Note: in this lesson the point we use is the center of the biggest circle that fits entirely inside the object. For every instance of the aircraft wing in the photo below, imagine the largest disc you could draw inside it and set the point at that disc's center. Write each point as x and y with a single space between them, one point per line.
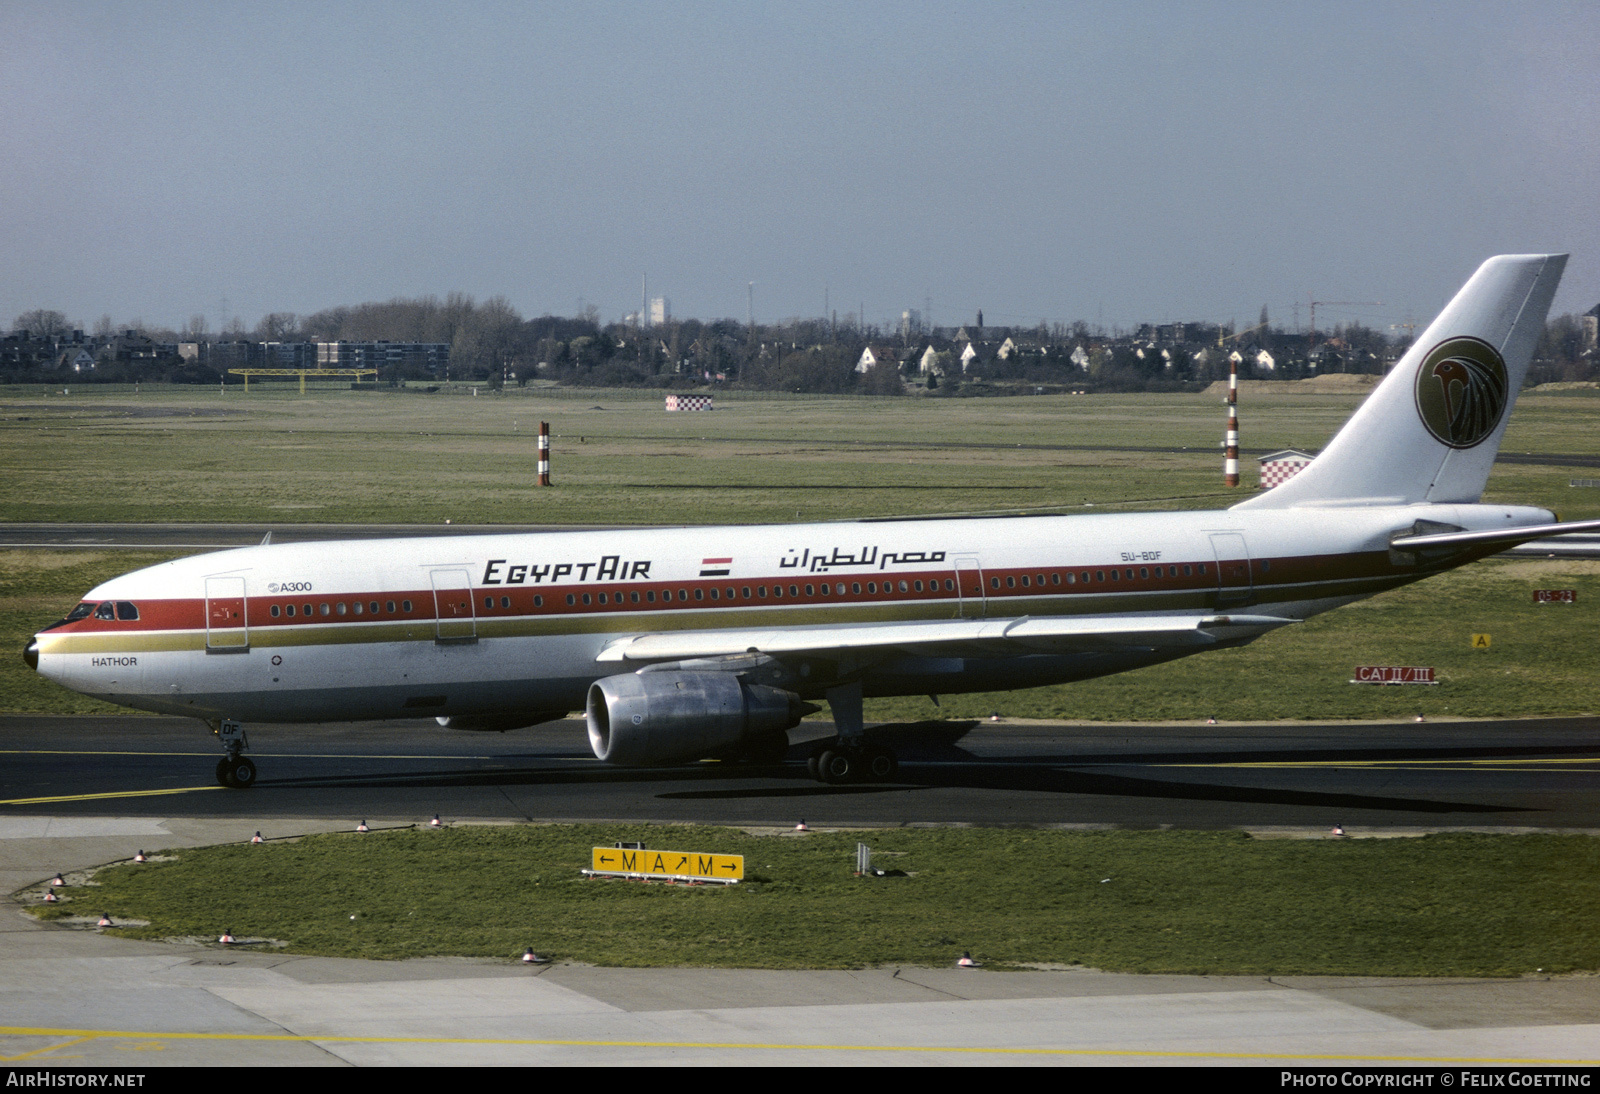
972 637
1507 536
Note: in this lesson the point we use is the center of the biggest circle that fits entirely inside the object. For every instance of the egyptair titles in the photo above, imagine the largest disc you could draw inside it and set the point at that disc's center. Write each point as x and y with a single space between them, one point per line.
500 571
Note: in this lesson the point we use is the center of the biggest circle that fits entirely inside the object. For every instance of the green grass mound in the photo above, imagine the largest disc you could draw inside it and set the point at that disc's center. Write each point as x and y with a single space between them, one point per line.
1170 902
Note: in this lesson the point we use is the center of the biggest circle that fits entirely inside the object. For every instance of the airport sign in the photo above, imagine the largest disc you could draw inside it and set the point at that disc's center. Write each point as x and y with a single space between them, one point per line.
637 862
1393 674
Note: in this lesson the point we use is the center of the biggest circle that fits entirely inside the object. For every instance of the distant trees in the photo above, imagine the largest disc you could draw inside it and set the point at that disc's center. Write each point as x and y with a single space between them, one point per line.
491 341
821 369
1559 355
278 326
43 323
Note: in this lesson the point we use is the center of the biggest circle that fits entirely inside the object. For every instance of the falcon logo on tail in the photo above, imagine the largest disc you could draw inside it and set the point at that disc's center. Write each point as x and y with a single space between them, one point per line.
1461 391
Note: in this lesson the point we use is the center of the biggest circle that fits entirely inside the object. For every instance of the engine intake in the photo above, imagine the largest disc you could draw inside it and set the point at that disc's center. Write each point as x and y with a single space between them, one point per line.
674 717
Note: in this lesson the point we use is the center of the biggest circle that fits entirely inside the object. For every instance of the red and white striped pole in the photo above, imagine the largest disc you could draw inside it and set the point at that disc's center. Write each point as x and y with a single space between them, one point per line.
1230 461
544 453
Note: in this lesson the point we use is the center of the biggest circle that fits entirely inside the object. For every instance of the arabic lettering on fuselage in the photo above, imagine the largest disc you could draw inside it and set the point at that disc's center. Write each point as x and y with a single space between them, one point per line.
869 557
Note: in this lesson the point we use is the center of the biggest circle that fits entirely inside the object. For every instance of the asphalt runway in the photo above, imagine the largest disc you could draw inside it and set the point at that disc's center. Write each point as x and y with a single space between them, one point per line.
1406 776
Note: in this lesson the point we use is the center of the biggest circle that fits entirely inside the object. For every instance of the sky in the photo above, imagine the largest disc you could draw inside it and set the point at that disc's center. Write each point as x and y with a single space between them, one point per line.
1115 162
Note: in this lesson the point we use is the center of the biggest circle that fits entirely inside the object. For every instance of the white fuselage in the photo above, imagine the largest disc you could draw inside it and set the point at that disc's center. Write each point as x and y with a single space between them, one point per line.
505 625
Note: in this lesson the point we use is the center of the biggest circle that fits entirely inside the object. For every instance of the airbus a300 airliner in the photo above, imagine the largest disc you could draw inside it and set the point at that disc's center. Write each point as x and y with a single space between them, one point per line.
681 644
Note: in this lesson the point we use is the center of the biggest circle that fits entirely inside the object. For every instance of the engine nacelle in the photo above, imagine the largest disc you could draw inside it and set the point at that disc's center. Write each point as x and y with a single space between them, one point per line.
674 717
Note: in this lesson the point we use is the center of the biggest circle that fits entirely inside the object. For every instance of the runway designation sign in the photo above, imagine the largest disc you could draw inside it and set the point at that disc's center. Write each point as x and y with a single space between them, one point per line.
666 865
1555 596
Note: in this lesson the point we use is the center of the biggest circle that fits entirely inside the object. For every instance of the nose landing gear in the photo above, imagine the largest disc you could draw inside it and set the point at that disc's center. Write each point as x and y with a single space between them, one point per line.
234 770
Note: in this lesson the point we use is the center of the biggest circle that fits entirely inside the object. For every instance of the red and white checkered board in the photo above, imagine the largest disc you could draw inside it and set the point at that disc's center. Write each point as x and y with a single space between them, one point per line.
1278 472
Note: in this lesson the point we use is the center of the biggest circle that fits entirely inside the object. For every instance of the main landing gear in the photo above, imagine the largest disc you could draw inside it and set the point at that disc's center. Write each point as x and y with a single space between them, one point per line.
850 757
233 770
839 761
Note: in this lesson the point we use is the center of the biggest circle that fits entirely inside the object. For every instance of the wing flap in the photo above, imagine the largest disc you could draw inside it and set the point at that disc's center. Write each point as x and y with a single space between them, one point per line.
993 637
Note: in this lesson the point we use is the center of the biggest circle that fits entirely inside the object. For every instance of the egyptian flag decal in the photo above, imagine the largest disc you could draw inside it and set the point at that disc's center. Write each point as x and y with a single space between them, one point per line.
714 567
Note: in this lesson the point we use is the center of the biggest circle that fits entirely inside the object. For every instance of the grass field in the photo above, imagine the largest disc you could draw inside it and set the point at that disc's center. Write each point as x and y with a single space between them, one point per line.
1452 905
196 454
1175 902
381 455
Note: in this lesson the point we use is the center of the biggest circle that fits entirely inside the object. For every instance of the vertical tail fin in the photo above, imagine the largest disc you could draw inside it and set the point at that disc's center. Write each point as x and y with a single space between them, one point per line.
1431 429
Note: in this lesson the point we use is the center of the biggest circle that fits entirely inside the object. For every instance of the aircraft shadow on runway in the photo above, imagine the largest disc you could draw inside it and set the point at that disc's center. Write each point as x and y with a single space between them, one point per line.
941 765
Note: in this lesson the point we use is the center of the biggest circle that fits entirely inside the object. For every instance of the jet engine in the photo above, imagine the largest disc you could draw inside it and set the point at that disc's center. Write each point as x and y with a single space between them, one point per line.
674 717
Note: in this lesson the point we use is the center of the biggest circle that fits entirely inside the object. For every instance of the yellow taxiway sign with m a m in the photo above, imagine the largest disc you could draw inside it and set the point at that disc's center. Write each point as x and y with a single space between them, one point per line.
667 865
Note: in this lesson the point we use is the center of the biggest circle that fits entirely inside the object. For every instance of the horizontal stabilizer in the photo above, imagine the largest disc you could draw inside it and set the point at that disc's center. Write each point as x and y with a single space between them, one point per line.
976 637
1509 537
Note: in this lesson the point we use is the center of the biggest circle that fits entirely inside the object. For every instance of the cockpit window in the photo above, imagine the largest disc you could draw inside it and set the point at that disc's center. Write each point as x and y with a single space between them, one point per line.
105 611
82 611
125 610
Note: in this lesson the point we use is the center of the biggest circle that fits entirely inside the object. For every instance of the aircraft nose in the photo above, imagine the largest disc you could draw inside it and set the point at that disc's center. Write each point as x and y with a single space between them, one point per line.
30 654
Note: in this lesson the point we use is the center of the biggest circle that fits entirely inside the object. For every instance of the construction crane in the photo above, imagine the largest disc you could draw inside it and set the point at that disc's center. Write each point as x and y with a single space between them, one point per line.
1230 337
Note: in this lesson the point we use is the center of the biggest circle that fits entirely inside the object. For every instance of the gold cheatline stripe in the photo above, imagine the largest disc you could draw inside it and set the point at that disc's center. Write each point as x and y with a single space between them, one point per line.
304 1038
707 617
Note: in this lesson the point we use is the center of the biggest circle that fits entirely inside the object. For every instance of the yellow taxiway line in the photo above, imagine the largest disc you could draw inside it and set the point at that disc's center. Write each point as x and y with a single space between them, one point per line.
79 1036
263 755
110 794
1521 764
